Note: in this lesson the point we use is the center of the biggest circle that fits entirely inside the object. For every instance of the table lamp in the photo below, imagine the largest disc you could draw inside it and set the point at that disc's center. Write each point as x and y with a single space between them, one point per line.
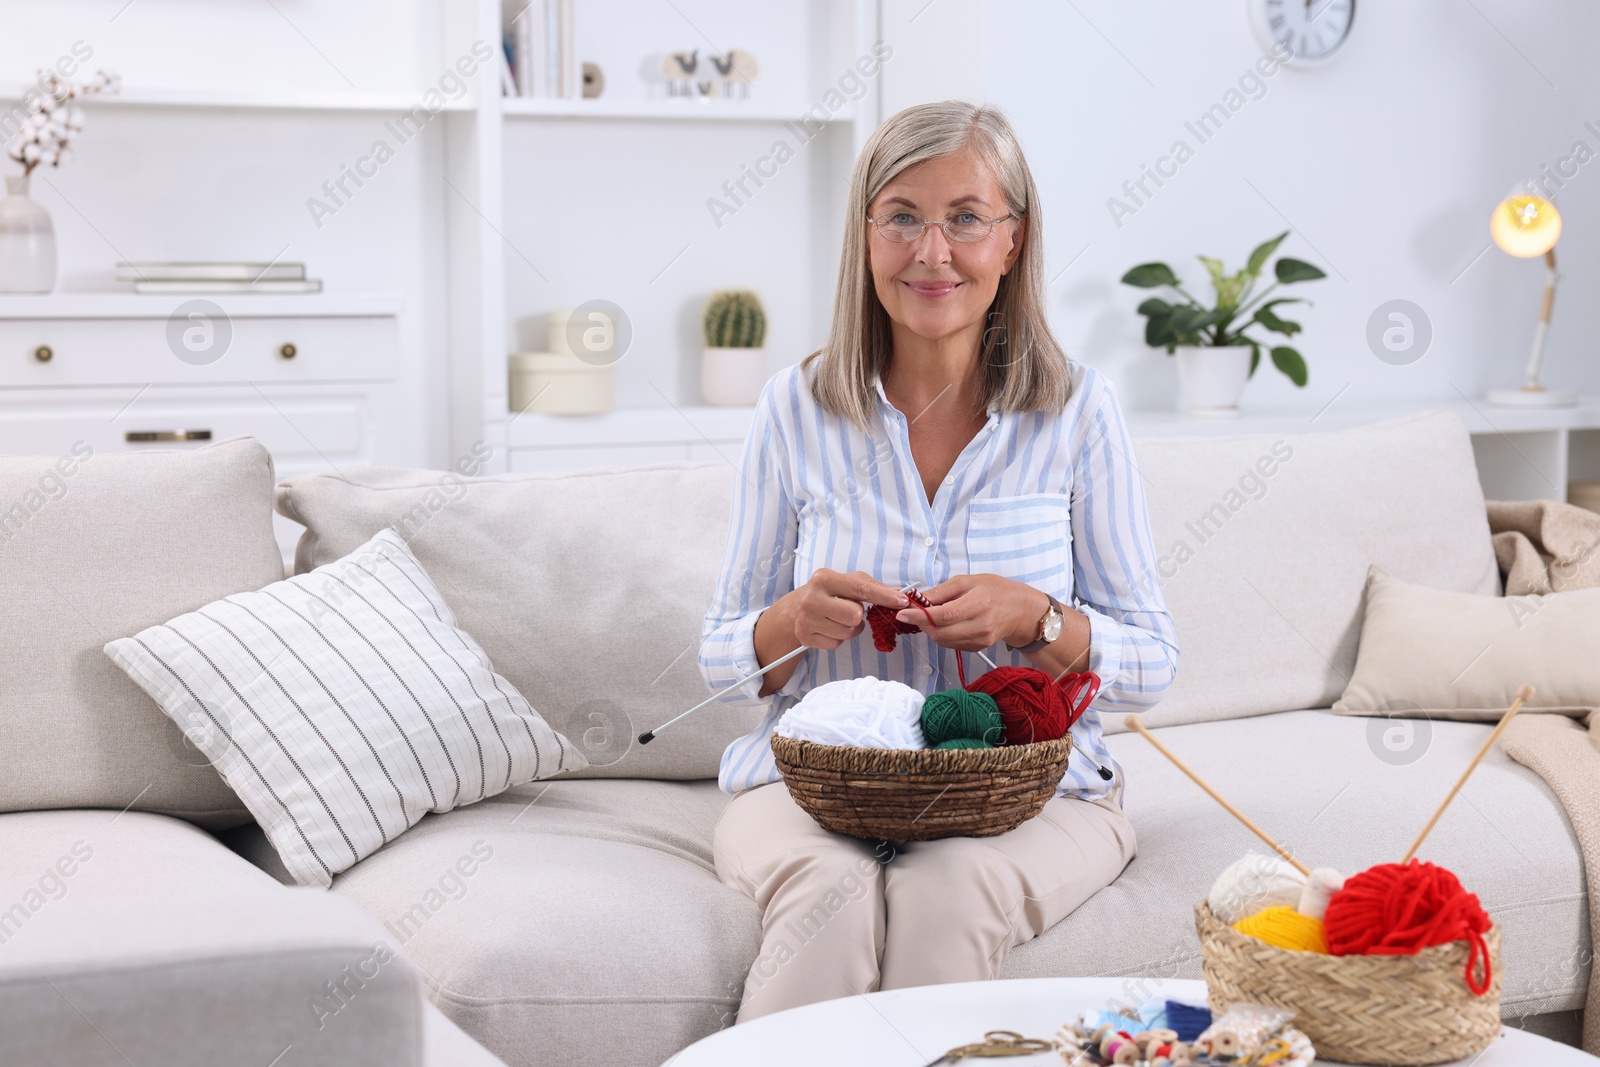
1527 226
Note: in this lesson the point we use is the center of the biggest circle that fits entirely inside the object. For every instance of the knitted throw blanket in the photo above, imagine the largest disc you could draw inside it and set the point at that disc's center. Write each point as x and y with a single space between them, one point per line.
1545 547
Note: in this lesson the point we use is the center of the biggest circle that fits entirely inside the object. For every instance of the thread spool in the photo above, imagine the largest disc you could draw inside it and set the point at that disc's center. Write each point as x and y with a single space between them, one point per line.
1118 1048
1252 883
1224 1043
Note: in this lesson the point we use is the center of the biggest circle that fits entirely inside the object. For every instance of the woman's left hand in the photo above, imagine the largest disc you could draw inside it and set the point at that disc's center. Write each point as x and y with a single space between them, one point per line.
972 612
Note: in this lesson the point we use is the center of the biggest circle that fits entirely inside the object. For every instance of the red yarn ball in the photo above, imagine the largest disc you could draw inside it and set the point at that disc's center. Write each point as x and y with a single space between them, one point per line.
1399 910
1032 706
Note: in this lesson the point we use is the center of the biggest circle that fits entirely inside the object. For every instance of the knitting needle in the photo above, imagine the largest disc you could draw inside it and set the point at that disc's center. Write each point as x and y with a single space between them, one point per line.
992 664
650 735
1525 693
1133 723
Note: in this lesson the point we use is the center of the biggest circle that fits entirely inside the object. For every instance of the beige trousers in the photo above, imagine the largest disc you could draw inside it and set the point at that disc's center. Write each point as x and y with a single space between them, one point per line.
842 916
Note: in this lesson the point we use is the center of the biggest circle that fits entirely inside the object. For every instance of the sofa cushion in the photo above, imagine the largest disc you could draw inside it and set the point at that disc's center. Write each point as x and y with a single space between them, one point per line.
570 921
1334 793
342 705
95 547
138 938
587 590
1461 656
1263 543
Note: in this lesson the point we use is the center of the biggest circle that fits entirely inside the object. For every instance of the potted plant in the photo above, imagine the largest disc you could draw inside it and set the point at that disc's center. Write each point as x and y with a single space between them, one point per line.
1216 352
27 237
733 366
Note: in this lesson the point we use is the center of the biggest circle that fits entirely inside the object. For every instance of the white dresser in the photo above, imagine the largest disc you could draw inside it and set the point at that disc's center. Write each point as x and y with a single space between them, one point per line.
122 371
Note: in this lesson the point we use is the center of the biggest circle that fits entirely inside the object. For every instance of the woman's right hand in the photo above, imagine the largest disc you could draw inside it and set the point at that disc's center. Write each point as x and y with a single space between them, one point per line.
827 609
824 613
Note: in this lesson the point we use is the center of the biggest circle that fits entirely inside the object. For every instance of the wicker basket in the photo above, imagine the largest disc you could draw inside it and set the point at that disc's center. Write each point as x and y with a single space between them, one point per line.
1359 1009
893 794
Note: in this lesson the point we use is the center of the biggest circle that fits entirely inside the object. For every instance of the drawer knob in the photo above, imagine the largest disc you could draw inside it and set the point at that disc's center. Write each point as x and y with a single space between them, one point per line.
288 351
43 354
145 437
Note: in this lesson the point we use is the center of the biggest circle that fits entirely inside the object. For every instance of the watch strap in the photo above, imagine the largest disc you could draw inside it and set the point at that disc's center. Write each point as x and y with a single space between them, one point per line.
1040 641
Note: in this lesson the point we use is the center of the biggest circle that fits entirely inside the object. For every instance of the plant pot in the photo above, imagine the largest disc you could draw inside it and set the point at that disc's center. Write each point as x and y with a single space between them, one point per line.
1211 380
27 242
732 377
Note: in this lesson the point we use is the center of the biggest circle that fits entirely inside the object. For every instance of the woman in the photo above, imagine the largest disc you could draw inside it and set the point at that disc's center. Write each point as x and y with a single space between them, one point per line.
940 438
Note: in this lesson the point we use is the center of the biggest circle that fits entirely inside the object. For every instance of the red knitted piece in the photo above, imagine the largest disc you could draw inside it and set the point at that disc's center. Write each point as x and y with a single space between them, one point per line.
885 627
1395 910
1034 708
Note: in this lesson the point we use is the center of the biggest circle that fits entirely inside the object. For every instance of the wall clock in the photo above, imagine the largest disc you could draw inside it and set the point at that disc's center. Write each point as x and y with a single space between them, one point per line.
1311 31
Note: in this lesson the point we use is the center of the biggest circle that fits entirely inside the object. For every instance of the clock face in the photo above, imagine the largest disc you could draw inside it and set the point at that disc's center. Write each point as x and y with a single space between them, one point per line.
1311 31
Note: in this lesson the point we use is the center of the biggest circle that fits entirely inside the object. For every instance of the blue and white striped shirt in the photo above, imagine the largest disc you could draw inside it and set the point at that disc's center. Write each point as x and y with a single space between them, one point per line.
1054 501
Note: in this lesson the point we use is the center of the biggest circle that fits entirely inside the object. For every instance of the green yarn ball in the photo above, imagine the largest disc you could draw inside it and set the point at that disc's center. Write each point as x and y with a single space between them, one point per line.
961 714
963 742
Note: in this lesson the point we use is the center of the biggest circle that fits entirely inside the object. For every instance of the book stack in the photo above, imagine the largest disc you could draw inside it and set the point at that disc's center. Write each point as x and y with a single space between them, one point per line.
218 278
540 49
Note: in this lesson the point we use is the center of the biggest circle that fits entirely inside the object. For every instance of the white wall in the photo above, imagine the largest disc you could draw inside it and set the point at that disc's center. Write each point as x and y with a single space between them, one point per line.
1386 164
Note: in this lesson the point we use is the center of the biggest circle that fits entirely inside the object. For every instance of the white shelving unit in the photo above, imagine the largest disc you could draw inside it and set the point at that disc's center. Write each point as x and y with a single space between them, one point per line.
1521 454
485 170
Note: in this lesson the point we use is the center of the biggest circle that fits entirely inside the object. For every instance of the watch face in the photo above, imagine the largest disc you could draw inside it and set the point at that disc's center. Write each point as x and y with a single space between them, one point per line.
1052 625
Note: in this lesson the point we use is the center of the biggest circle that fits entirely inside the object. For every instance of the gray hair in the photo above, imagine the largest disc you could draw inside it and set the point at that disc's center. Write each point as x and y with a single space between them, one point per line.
1023 367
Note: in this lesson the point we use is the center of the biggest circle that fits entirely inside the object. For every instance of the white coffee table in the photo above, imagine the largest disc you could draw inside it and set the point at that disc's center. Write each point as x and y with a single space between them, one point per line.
911 1027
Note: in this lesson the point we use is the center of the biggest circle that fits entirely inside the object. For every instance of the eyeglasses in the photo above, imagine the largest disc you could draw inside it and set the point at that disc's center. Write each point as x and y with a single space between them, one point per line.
964 227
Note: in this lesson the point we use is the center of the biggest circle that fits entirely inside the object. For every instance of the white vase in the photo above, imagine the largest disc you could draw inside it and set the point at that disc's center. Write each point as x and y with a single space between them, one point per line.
732 377
27 242
1211 380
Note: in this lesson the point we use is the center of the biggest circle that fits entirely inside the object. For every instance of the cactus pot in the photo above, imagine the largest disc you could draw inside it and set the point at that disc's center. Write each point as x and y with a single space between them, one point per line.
732 377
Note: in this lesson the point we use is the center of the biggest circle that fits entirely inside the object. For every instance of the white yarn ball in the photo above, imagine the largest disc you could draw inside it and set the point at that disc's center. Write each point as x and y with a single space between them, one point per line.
864 712
1252 883
1320 888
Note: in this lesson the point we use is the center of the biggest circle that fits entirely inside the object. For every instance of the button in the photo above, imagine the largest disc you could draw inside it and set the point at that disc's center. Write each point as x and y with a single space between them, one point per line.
951 480
928 541
927 670
994 426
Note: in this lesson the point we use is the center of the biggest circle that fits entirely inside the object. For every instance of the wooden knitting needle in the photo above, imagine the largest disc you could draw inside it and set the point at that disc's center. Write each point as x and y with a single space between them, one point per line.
1525 693
1138 727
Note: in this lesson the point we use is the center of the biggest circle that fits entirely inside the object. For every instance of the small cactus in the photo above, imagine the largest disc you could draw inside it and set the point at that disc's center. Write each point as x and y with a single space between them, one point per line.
735 319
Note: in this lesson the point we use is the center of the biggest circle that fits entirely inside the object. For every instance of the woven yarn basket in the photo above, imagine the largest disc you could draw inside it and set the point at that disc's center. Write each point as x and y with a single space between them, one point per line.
893 794
1359 1009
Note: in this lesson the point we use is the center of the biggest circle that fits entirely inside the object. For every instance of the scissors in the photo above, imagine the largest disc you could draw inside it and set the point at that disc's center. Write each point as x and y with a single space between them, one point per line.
996 1043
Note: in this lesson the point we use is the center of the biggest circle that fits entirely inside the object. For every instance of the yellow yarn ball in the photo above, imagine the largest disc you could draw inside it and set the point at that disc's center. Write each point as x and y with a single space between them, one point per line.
1285 928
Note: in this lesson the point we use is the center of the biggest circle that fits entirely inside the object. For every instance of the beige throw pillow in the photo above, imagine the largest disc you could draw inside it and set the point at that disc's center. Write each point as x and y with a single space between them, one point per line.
1452 655
95 546
587 590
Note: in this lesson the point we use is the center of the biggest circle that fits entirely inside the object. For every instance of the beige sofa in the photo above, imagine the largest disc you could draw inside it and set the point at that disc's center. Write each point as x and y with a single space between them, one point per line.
598 932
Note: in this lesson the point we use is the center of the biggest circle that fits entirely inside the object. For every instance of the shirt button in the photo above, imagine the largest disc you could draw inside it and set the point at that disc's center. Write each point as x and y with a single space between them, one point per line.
928 541
951 480
927 670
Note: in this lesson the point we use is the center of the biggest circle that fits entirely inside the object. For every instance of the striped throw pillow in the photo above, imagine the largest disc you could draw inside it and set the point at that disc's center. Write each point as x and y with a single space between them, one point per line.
342 705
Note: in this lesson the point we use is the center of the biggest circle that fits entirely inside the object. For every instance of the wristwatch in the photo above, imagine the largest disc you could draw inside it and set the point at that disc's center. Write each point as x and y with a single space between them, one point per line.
1049 628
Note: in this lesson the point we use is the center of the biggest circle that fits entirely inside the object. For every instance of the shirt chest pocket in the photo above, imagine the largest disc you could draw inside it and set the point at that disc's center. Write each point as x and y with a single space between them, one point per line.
1025 538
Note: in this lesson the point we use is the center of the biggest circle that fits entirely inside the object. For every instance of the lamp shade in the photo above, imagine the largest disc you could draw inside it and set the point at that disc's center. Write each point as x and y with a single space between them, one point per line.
1525 226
